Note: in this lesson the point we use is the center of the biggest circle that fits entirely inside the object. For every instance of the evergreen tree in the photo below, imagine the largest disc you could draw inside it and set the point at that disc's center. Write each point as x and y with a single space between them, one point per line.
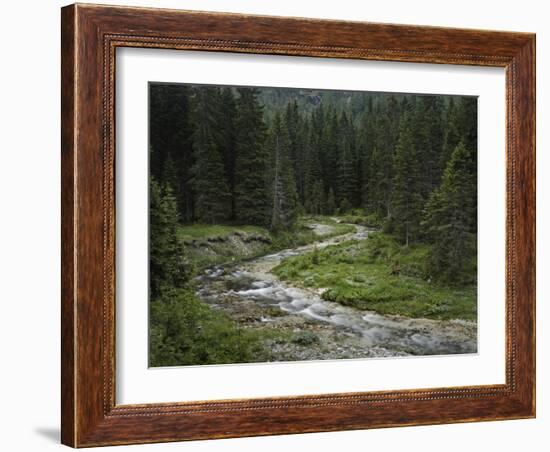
328 149
296 142
252 204
228 140
449 220
428 134
331 203
348 186
285 205
313 176
170 135
365 151
407 189
169 174
212 197
381 171
167 265
315 201
467 122
451 134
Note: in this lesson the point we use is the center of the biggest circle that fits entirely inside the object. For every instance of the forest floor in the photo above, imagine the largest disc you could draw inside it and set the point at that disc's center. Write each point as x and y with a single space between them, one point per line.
347 292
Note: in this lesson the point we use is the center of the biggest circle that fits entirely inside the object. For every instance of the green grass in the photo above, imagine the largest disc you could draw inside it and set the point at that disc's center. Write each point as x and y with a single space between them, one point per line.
203 231
371 220
380 275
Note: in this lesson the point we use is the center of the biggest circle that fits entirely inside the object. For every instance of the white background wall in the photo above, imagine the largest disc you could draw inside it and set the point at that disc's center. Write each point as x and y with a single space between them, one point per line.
29 225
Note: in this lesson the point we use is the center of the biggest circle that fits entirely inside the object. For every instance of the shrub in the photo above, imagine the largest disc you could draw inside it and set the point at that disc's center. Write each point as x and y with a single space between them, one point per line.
185 331
305 338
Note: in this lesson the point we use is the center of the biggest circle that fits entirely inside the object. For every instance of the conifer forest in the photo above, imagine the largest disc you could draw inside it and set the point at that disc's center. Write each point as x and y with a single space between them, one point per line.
290 224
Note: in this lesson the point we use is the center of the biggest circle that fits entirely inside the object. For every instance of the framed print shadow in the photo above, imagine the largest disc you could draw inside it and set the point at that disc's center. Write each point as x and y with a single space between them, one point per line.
280 225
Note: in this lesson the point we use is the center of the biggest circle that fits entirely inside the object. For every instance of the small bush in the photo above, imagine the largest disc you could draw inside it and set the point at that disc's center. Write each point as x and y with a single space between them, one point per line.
184 331
357 217
305 338
315 256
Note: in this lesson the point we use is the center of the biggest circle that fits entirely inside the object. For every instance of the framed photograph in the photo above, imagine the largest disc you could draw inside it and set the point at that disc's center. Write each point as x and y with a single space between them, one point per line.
280 225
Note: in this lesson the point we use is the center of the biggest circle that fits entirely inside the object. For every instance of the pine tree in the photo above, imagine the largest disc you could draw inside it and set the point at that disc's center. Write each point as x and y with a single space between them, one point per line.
228 140
365 151
169 174
167 265
295 129
328 149
449 219
331 203
285 205
313 176
407 189
381 172
212 197
428 139
467 122
170 135
252 204
451 134
315 202
348 186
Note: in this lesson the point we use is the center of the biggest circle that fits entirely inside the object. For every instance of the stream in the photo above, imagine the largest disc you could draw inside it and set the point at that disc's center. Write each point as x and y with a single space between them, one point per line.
254 297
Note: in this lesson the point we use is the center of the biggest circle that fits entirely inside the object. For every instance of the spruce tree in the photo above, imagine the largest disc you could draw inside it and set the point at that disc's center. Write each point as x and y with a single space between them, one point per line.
228 140
449 219
451 134
428 139
167 265
169 174
212 197
316 202
295 129
313 176
328 149
407 187
170 135
331 203
285 203
381 171
348 186
252 204
467 121
365 151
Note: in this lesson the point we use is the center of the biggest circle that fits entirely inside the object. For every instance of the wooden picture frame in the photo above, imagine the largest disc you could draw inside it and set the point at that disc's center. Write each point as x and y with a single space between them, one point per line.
90 36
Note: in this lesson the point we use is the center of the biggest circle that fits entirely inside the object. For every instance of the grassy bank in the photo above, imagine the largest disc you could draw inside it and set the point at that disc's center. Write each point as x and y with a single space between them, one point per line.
379 274
208 245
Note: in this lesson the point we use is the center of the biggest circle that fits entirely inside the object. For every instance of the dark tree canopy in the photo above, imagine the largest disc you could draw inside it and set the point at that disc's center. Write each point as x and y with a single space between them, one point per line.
251 164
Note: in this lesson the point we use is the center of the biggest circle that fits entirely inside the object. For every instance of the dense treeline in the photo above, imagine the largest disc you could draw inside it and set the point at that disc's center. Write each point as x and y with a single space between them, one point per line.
263 156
